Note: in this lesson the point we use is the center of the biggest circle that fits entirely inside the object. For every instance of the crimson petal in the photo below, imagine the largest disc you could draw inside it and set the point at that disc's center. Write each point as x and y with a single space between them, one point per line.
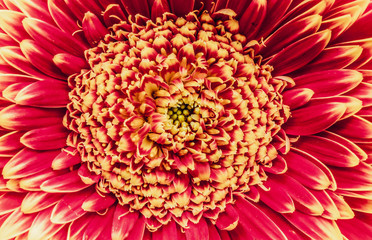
69 182
299 53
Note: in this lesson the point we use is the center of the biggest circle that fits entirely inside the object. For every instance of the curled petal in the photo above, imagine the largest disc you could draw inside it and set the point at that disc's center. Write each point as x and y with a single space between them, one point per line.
93 28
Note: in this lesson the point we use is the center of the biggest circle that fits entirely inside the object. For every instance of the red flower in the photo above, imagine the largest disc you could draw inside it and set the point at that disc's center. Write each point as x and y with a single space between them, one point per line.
228 119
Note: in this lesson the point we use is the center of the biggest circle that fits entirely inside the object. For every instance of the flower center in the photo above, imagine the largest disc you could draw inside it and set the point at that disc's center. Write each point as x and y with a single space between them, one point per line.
176 116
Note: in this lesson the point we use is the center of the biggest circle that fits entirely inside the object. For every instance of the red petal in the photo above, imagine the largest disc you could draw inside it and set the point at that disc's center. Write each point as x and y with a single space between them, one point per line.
93 28
330 209
7 40
10 144
314 227
355 229
134 7
337 25
123 222
334 58
33 182
328 151
363 93
299 53
137 233
62 16
305 172
69 208
357 178
10 201
15 58
354 128
346 143
52 38
9 79
53 137
253 223
96 202
271 192
252 18
16 224
9 22
158 8
66 159
80 7
302 197
197 231
290 33
297 97
35 202
166 232
17 117
98 226
42 227
34 9
360 205
11 91
277 9
40 58
228 219
181 7
69 64
359 30
329 83
28 162
44 94
323 115
69 182
344 209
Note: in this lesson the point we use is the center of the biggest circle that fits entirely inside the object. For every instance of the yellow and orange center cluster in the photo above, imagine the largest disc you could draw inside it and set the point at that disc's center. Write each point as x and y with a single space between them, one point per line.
176 116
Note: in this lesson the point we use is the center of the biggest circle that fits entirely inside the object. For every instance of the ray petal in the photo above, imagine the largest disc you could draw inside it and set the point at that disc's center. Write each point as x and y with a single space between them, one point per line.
67 158
69 182
35 202
52 38
328 151
15 58
298 29
96 202
62 16
123 222
331 58
41 94
305 172
323 116
17 117
41 59
314 227
354 128
254 223
181 7
69 208
28 162
299 53
10 201
34 9
9 22
197 231
16 224
53 137
42 227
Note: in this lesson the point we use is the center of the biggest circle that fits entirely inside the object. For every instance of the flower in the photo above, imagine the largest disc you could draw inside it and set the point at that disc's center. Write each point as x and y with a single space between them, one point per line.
246 119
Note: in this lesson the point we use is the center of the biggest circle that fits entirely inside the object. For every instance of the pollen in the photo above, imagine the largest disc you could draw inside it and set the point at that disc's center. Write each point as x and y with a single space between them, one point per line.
176 116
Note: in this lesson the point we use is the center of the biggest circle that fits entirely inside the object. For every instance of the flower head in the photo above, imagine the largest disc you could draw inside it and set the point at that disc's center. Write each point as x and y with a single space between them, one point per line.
185 120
